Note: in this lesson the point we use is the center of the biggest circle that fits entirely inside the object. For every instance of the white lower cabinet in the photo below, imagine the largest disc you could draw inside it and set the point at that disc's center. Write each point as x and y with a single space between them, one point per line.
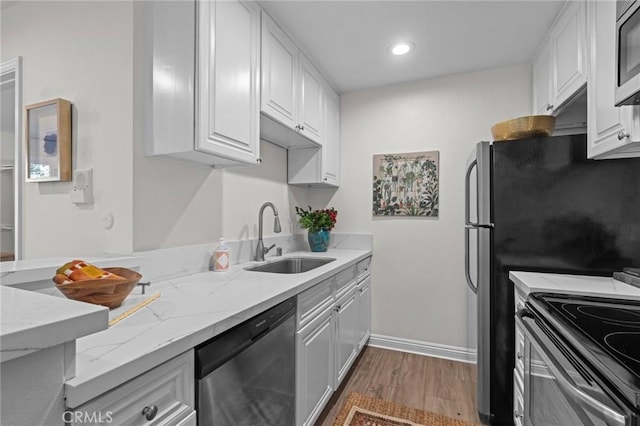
162 396
314 374
346 328
363 298
333 325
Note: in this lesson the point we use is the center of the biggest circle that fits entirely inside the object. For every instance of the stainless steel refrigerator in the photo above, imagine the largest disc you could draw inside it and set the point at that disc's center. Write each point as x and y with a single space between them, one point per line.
539 205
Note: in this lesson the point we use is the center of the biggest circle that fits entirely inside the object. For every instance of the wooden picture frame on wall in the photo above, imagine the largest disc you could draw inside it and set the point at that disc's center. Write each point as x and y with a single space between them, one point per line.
48 141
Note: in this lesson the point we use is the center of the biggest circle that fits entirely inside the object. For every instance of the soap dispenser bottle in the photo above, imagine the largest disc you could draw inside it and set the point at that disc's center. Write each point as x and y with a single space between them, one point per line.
221 257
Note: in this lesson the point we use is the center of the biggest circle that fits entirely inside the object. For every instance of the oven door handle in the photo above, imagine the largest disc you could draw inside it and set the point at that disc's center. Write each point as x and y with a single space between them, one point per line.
524 318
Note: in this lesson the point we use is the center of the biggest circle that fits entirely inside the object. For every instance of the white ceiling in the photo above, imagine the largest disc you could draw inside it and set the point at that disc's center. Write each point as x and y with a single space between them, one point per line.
349 40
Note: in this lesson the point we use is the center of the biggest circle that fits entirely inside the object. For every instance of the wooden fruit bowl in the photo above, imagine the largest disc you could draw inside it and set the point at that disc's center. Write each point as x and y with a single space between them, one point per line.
524 127
107 292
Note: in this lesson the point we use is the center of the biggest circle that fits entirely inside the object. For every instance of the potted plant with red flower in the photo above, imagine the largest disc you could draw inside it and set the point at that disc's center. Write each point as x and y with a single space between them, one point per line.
318 223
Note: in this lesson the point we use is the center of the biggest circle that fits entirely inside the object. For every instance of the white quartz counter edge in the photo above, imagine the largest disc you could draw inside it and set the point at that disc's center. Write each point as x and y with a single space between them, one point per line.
530 282
58 321
29 270
191 310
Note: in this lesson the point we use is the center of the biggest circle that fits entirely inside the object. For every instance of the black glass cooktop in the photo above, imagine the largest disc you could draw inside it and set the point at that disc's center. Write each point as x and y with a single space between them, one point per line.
605 331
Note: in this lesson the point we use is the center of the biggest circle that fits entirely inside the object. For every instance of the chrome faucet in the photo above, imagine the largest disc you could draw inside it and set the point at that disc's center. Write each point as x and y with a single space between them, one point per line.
260 249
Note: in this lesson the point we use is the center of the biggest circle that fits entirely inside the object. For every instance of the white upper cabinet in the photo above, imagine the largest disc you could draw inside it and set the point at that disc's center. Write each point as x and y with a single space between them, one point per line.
310 117
541 80
320 167
279 74
569 38
210 114
291 91
611 131
228 78
331 146
559 68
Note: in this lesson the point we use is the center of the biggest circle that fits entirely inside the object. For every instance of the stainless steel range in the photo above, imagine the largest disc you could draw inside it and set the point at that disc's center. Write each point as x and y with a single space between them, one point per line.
582 360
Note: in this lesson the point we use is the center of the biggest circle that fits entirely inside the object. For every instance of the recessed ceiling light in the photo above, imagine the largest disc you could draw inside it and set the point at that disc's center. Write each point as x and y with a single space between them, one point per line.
402 48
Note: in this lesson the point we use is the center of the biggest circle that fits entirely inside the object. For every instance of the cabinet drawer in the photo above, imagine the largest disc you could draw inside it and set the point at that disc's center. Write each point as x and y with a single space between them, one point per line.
167 390
362 267
343 279
313 301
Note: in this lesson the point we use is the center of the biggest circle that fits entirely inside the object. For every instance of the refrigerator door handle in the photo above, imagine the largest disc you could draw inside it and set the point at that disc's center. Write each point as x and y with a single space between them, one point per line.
467 192
467 272
467 197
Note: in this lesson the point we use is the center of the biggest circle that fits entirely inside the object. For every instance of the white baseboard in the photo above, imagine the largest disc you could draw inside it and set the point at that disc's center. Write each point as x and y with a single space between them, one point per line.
436 350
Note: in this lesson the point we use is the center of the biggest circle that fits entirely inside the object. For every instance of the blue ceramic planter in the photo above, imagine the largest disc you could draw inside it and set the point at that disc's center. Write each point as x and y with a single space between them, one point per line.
319 241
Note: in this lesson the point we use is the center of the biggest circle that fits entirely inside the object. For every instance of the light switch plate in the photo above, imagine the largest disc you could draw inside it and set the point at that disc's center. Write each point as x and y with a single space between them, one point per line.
82 192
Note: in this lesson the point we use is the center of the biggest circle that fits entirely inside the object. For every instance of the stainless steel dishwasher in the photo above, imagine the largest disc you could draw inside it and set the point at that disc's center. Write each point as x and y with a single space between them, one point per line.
246 376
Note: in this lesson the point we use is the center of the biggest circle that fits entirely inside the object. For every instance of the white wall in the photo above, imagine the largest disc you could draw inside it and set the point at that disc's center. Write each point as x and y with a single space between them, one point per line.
419 289
82 52
246 189
182 203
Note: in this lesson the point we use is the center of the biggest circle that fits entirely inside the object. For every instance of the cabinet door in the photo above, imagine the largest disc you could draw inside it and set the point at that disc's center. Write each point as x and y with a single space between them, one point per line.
331 139
541 80
314 367
346 325
606 122
279 74
364 312
569 51
229 60
311 93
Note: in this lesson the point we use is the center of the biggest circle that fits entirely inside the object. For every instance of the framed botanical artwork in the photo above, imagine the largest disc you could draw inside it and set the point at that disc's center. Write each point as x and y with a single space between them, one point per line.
406 184
48 141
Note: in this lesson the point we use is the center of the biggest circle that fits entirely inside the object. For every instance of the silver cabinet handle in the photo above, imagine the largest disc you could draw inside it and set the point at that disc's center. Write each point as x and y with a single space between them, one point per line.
149 413
519 355
622 135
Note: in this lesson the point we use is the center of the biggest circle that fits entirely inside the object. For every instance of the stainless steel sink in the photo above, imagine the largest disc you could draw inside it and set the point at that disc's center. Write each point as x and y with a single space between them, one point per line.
292 265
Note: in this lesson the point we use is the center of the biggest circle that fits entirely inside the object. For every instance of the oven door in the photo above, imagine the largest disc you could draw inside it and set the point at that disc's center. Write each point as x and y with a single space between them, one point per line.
558 387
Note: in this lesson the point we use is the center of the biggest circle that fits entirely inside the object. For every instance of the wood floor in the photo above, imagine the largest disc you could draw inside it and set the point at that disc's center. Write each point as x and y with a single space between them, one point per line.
432 384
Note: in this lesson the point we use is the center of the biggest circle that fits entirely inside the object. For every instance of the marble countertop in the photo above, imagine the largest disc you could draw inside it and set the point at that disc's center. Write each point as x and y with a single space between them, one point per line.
531 282
190 310
58 321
